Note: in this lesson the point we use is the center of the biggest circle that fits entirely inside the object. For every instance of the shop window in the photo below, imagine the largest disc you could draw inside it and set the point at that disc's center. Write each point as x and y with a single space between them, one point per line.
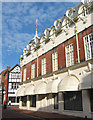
24 100
33 101
17 99
73 100
55 101
12 99
91 99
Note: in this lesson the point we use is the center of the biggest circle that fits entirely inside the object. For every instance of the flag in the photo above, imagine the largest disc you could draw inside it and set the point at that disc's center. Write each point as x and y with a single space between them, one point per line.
36 22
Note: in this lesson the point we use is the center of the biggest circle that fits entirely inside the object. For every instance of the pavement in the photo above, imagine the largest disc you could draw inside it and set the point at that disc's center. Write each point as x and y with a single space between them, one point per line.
13 112
0 106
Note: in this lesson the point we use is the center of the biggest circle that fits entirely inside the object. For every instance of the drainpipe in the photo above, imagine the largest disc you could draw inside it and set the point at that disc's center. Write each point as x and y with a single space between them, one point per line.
77 44
37 64
76 38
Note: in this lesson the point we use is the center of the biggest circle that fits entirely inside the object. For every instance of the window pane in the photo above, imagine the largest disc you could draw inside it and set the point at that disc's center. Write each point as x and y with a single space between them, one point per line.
55 101
91 99
43 66
88 40
24 100
55 61
69 55
33 101
33 71
12 99
24 74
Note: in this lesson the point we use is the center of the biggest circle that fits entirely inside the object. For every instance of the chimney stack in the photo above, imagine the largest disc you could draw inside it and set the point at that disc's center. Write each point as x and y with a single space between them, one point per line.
8 67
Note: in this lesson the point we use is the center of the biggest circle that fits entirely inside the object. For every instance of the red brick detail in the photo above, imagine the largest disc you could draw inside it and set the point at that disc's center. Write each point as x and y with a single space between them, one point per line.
6 85
61 54
81 41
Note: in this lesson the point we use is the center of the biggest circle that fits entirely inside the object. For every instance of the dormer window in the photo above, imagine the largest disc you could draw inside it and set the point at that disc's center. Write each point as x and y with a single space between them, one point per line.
52 30
42 41
83 11
28 47
65 23
47 33
36 39
24 51
57 24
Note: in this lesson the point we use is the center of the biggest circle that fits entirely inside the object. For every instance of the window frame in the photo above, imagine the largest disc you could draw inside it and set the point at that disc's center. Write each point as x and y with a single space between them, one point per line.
54 61
24 75
32 102
88 43
33 71
73 99
24 100
55 96
69 52
43 66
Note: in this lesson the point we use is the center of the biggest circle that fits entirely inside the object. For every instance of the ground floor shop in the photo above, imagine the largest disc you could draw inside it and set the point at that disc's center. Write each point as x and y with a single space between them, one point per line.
77 103
68 92
13 100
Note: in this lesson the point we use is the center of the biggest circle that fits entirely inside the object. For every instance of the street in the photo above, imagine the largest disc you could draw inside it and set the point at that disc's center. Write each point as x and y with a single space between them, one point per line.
13 113
16 114
0 106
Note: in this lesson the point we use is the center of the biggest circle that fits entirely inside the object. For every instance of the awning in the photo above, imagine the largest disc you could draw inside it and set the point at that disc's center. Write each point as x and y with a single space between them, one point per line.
86 81
52 86
69 83
29 89
41 88
20 91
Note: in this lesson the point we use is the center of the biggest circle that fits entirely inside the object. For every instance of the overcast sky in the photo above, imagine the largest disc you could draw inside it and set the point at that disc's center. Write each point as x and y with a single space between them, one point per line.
19 22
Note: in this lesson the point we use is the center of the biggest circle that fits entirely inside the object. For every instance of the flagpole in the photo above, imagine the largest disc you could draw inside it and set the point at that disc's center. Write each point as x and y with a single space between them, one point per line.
37 51
36 27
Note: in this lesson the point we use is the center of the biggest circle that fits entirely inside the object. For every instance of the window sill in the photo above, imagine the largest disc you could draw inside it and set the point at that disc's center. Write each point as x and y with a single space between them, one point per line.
73 111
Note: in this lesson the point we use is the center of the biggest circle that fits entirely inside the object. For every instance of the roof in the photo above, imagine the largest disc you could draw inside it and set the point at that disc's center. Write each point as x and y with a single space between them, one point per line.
14 67
63 17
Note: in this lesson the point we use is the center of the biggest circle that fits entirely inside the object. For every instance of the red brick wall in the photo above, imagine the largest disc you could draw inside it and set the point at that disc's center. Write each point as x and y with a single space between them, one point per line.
28 71
71 41
81 41
61 54
6 85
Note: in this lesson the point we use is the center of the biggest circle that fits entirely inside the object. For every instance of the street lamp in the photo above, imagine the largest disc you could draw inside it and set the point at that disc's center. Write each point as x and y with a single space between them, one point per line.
67 15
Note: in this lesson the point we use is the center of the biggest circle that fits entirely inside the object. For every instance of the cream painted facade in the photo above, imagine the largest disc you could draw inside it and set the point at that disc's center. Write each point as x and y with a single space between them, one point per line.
52 87
43 91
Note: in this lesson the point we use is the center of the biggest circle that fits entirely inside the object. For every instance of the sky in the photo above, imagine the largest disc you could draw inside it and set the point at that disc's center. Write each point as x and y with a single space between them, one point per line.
19 25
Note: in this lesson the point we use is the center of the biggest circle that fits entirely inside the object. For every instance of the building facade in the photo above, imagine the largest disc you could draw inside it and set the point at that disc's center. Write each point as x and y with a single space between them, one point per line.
0 89
13 85
57 67
10 79
4 84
